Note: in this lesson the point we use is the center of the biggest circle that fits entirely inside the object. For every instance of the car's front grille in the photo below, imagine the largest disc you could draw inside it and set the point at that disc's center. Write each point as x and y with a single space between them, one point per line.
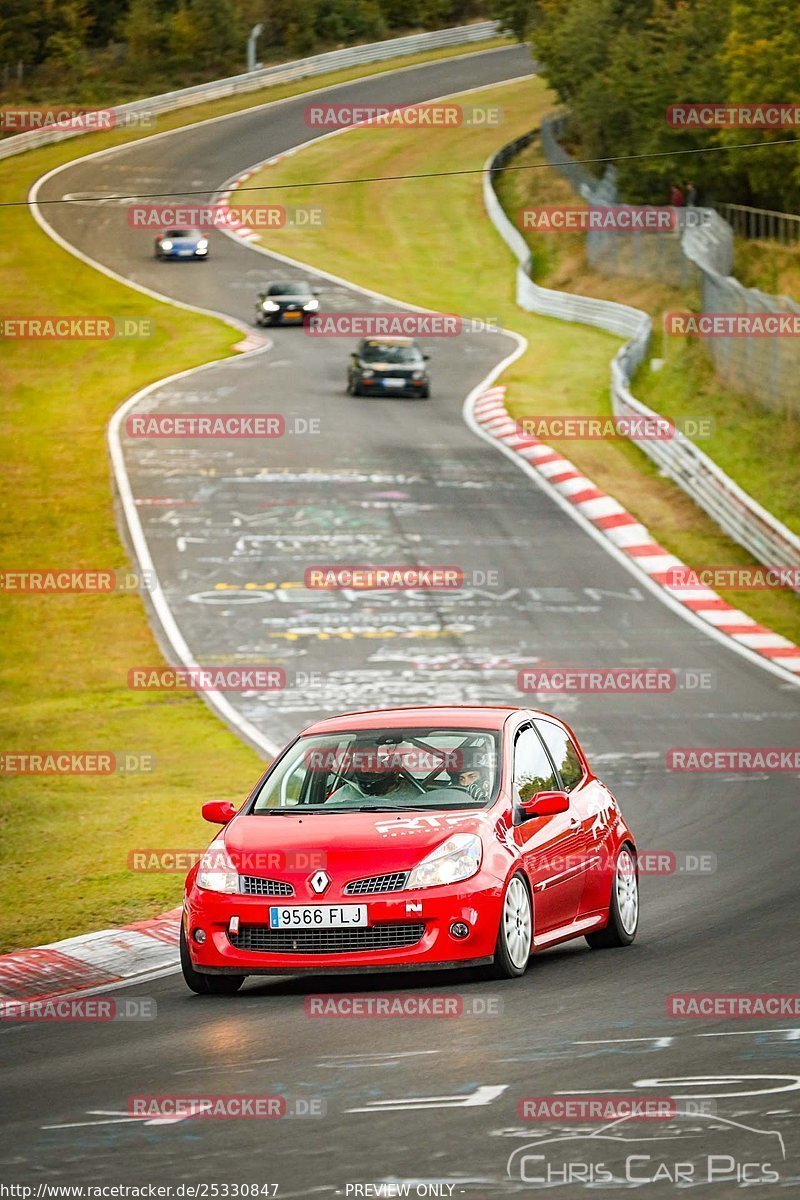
326 941
377 883
254 885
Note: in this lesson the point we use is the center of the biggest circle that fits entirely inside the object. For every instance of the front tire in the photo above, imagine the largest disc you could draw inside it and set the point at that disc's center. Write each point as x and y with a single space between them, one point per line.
623 919
515 935
206 985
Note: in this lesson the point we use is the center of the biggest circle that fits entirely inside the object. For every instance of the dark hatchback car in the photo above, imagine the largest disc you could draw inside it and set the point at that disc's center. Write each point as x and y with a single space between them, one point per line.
286 303
388 367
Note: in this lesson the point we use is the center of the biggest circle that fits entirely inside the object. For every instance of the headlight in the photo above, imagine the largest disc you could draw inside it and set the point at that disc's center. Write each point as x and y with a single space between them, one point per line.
202 243
269 306
216 872
456 859
417 374
312 306
166 245
366 372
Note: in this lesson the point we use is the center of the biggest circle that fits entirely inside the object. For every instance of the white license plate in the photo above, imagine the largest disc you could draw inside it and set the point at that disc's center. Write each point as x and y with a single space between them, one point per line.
320 916
394 382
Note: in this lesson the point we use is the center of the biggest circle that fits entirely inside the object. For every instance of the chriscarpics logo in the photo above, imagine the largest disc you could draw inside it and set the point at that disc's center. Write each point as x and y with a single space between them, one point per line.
682 1149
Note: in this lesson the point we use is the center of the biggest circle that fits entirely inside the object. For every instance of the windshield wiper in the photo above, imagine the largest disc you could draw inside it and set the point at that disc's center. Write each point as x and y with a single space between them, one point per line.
400 808
293 810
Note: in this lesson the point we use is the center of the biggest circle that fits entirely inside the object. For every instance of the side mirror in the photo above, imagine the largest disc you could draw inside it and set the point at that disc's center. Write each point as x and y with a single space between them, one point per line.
545 804
316 291
426 356
218 812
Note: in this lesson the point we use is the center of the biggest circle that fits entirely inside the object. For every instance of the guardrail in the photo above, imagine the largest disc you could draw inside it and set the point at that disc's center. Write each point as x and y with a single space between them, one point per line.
252 81
737 513
748 222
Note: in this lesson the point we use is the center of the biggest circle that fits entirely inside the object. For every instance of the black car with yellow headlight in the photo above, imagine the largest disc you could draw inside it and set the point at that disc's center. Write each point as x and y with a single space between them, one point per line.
388 367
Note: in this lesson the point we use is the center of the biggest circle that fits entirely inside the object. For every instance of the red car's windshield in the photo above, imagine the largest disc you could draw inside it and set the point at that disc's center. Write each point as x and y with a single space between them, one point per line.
392 769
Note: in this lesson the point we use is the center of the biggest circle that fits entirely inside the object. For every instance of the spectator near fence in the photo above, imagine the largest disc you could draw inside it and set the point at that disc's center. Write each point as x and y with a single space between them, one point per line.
676 197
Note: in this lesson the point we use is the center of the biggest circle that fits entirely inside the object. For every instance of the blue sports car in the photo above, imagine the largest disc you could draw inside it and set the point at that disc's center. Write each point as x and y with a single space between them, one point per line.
182 243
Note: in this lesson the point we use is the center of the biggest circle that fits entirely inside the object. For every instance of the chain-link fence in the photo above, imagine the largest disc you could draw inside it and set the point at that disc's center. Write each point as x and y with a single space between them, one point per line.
698 252
737 513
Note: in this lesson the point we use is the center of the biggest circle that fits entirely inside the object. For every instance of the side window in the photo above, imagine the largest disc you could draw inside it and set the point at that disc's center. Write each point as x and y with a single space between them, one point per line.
533 771
563 754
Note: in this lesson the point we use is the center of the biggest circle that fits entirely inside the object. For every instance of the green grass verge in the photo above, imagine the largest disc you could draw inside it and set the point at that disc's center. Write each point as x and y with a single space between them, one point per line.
64 841
768 265
452 260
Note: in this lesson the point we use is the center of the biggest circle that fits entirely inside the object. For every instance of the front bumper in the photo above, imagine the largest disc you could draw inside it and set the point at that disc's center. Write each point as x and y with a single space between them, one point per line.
186 254
477 903
378 387
285 317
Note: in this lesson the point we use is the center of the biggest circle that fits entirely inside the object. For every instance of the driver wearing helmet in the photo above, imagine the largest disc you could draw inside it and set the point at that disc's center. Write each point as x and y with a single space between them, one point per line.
377 777
469 773
475 782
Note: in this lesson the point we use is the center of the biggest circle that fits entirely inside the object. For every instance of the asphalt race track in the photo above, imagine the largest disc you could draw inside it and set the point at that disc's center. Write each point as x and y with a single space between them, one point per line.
429 1101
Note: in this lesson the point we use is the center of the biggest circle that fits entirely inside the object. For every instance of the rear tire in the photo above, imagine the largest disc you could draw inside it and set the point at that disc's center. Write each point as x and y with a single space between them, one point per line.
206 985
623 919
515 935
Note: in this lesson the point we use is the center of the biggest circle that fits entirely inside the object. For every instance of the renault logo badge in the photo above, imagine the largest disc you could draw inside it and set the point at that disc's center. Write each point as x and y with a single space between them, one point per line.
319 882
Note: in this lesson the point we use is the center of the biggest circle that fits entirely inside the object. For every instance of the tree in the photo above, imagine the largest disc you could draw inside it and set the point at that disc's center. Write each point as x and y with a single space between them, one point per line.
762 59
145 32
66 44
515 16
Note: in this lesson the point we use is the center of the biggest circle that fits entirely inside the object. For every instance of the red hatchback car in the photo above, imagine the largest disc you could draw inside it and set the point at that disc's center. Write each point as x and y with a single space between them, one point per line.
411 837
